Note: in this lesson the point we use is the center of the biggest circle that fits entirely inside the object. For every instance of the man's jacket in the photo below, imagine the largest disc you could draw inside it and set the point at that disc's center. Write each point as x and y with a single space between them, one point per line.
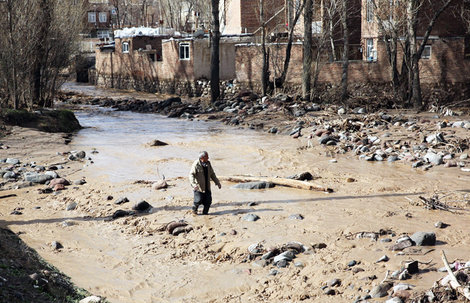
196 176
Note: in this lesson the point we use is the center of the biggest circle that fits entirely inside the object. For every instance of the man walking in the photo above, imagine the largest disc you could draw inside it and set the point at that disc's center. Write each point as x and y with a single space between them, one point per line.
199 177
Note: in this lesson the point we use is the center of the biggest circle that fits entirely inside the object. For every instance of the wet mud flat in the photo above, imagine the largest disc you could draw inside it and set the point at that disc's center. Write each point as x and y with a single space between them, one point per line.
271 244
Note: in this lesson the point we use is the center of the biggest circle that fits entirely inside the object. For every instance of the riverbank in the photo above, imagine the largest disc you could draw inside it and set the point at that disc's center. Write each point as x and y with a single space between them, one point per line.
336 241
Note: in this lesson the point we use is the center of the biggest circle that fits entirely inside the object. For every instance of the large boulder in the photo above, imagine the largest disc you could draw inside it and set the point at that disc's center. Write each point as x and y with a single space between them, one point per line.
422 238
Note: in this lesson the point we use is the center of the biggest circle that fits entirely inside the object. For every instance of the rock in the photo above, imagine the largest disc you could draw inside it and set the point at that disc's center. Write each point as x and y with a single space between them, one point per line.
36 178
386 240
287 255
181 229
296 217
412 267
159 185
58 187
254 185
404 275
273 272
9 175
352 263
142 206
80 155
273 130
79 182
319 246
91 299
334 282
463 156
305 176
51 173
380 290
341 111
440 224
71 206
435 138
281 263
325 139
251 217
260 263
12 161
299 264
56 245
433 158
58 181
384 258
120 213
157 143
329 291
394 300
392 158
424 238
121 200
401 286
401 245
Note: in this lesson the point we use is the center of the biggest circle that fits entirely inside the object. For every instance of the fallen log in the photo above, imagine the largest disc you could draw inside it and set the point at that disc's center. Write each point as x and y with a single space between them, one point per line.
278 181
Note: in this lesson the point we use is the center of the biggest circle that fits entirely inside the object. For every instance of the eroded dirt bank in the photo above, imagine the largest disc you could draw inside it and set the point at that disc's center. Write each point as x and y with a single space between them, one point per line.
134 259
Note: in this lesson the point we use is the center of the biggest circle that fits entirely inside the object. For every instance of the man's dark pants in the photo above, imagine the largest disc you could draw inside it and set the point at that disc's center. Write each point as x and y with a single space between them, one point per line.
204 199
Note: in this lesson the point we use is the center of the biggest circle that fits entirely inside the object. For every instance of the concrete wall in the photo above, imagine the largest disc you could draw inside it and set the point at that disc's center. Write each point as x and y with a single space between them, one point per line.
232 17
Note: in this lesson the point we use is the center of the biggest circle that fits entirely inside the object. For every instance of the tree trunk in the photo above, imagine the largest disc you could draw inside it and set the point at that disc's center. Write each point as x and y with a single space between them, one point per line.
285 69
265 66
307 51
415 93
215 85
344 76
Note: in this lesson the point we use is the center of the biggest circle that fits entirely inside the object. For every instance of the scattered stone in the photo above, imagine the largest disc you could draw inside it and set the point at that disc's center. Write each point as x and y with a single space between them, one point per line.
58 181
120 213
296 217
273 272
36 178
350 180
254 185
394 300
58 187
433 158
329 291
440 224
255 248
352 263
159 185
80 155
412 267
251 217
251 204
384 258
142 206
404 275
319 245
260 263
287 255
12 161
56 245
79 182
71 206
424 238
157 143
334 282
380 290
9 175
305 176
121 200
281 263
385 240
299 264
91 299
401 245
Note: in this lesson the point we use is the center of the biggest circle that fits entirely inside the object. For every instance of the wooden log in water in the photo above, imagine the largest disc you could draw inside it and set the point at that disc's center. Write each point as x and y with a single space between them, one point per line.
278 181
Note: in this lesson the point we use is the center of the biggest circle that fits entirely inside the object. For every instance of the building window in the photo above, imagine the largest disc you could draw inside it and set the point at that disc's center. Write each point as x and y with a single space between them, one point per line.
103 34
371 53
92 17
125 47
184 51
426 52
370 11
103 17
152 57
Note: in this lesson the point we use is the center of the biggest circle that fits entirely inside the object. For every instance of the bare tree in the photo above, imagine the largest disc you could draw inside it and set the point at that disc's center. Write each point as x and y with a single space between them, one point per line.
344 76
307 50
38 41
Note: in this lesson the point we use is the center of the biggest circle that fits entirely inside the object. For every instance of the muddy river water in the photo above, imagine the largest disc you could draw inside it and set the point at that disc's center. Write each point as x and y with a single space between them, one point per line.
130 260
